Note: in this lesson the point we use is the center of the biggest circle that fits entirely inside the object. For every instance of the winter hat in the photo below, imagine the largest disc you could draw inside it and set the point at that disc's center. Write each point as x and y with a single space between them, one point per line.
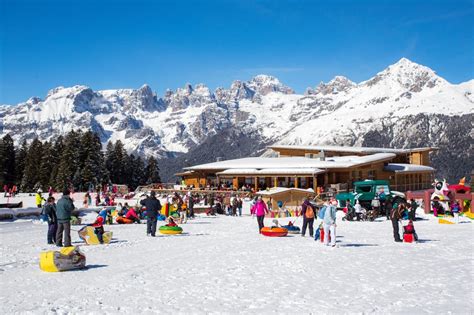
66 192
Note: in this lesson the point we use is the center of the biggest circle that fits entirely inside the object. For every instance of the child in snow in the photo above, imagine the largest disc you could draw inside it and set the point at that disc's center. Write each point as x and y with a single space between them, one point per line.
456 208
171 222
410 229
98 226
132 215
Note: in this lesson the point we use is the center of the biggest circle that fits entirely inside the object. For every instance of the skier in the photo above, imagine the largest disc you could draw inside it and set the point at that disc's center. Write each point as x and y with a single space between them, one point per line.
153 208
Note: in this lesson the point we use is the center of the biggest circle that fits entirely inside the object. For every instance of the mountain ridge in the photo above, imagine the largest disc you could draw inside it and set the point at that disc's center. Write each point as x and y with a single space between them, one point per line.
263 109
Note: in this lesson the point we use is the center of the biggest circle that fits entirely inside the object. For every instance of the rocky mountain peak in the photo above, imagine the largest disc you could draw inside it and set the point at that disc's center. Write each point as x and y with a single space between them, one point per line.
335 86
264 84
409 75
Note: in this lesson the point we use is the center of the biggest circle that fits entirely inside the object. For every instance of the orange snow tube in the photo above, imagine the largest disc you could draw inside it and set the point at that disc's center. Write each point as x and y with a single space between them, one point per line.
274 231
123 220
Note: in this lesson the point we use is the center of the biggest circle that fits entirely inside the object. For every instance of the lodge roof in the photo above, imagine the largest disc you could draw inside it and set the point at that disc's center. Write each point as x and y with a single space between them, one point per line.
285 163
347 149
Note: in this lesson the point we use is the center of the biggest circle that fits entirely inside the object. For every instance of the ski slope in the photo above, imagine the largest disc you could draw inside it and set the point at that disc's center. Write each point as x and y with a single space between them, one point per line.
222 265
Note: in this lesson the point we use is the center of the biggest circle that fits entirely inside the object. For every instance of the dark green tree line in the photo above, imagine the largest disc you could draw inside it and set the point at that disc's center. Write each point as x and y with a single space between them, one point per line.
75 160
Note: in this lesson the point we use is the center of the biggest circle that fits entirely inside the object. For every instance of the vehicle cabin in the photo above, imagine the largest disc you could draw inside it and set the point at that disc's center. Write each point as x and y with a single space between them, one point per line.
319 168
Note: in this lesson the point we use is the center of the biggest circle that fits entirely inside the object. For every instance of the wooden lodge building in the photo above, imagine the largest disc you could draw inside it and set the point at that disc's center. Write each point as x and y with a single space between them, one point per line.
318 166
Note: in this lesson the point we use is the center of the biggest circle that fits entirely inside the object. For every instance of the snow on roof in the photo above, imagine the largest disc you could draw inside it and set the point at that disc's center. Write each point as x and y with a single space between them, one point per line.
335 148
294 162
405 168
271 171
278 190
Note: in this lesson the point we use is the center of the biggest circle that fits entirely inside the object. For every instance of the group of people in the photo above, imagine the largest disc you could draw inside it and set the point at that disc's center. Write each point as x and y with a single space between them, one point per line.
58 216
9 191
327 214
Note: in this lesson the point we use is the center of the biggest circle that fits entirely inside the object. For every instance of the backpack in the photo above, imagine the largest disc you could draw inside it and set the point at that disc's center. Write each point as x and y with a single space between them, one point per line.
309 213
322 212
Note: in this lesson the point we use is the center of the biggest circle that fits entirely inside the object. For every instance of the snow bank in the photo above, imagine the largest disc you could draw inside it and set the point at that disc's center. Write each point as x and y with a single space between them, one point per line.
222 265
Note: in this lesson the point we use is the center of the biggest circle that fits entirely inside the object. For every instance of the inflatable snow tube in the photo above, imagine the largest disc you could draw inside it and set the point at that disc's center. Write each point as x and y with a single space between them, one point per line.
161 218
68 258
292 229
88 235
170 229
123 220
274 231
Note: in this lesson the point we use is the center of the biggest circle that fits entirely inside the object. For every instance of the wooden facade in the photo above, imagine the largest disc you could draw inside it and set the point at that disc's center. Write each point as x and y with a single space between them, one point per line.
402 181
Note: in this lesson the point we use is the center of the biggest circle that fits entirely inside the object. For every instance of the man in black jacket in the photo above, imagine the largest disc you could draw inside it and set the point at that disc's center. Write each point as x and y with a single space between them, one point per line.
153 208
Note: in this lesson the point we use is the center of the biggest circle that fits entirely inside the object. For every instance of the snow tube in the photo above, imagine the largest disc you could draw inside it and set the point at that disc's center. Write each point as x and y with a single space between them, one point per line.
67 258
88 235
170 229
161 218
274 231
123 220
292 229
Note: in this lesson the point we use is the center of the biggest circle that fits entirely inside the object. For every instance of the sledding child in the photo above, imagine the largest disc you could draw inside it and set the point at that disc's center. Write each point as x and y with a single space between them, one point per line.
455 209
410 229
171 222
98 226
132 215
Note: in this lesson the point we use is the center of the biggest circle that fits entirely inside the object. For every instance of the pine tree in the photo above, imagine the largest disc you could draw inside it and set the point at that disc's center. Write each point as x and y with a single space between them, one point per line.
56 152
109 163
20 156
7 160
30 178
46 166
138 177
152 172
120 163
68 162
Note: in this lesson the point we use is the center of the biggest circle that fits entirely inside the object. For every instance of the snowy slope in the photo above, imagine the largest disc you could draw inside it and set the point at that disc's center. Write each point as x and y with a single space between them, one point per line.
222 265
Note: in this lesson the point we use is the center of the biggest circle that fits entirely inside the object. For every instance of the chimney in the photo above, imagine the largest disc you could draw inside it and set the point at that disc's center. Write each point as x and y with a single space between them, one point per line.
219 158
322 156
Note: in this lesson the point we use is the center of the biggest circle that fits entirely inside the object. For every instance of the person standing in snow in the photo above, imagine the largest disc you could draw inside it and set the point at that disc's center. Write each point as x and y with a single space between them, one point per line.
239 205
358 210
395 216
307 212
388 206
64 209
153 208
38 198
191 206
260 209
50 212
329 224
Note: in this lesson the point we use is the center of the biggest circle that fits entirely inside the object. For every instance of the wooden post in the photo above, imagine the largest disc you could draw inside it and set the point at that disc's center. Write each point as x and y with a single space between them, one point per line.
315 183
275 181
256 183
427 201
296 182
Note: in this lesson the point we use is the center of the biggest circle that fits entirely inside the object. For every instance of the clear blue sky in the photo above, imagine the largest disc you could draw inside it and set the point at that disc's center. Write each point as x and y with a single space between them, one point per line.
124 44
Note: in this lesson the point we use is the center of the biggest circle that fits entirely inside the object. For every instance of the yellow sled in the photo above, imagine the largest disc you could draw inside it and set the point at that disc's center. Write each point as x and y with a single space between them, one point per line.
444 221
87 235
469 215
67 258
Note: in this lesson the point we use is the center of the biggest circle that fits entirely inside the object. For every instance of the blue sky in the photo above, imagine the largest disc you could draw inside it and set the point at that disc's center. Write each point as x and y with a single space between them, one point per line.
124 44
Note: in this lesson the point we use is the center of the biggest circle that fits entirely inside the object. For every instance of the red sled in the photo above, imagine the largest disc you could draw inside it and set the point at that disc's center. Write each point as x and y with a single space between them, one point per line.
408 238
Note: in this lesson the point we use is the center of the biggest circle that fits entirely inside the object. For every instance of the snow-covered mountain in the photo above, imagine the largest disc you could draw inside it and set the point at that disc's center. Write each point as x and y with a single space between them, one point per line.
406 104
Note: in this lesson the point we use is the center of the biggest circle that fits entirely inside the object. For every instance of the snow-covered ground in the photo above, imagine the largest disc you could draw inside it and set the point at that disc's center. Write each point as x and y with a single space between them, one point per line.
222 265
